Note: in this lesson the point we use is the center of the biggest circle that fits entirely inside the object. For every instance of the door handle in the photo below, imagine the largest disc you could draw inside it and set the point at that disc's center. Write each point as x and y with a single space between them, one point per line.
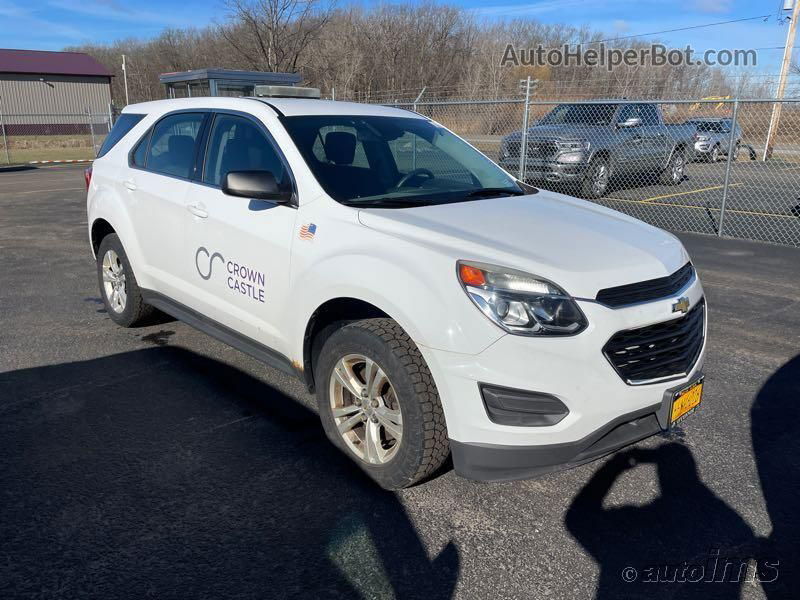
129 184
198 210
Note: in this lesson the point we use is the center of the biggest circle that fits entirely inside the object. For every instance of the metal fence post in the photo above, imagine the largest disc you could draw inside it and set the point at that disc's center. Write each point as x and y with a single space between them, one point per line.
414 141
91 129
5 138
726 185
523 142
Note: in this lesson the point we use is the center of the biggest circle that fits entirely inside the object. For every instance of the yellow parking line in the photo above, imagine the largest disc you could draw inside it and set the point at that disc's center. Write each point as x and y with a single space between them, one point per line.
706 189
727 210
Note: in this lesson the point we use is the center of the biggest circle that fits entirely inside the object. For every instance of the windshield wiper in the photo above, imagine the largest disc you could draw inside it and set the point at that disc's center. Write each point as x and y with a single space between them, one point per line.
494 192
388 201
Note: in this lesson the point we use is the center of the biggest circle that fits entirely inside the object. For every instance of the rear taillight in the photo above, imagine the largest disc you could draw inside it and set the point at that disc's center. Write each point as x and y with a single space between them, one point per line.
87 175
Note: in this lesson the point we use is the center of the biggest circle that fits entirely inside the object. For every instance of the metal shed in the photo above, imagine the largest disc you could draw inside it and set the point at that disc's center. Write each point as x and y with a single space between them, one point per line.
42 91
221 82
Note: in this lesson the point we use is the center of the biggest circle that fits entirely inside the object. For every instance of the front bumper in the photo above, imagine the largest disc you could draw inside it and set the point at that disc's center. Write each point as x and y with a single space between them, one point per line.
571 369
546 170
494 462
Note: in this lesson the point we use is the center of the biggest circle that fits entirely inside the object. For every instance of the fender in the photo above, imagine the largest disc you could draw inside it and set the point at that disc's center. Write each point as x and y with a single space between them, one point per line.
106 204
412 294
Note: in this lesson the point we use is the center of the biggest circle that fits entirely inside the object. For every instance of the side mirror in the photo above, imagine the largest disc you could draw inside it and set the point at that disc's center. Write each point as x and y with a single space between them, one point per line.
260 185
630 122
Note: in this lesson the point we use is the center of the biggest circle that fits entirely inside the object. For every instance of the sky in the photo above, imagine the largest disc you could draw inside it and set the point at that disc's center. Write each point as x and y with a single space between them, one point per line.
54 24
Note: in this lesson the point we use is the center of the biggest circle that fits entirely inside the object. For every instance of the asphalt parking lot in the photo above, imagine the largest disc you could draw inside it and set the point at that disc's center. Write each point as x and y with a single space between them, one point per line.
157 462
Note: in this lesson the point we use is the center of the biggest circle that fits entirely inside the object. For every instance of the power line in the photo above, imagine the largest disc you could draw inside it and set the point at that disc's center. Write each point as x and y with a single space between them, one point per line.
628 37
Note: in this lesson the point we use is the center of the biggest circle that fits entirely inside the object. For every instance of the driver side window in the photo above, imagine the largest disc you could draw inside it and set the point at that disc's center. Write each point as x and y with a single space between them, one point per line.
237 144
627 112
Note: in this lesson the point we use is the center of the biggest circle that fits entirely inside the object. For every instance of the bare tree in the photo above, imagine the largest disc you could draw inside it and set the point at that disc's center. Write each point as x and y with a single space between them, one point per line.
273 35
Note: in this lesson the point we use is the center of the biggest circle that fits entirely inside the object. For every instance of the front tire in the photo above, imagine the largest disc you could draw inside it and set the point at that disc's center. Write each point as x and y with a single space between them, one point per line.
595 183
378 402
118 287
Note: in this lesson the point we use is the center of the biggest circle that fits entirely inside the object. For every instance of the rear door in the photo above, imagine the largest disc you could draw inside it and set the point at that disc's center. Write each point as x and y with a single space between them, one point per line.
238 250
162 165
655 143
628 144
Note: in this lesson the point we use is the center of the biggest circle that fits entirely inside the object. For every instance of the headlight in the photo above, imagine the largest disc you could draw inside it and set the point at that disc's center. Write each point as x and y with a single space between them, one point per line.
576 146
520 303
703 138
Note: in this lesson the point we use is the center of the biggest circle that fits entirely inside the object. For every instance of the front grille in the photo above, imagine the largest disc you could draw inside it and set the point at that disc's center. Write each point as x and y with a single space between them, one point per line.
660 351
541 149
646 291
536 148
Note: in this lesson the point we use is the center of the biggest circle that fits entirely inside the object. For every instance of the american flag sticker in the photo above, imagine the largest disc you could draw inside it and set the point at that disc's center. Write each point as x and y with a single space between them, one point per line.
307 231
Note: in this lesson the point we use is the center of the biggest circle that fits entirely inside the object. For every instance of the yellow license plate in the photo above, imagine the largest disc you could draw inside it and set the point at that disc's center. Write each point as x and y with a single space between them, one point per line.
686 401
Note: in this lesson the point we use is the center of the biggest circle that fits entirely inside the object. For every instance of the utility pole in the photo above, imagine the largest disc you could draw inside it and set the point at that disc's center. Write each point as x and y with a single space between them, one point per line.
787 61
125 79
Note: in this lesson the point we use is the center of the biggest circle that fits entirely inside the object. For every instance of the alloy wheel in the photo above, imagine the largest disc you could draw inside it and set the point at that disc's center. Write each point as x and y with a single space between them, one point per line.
114 284
600 179
677 168
365 409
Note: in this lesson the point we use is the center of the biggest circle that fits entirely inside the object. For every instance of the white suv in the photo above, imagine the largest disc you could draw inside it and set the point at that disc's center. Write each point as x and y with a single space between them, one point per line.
436 305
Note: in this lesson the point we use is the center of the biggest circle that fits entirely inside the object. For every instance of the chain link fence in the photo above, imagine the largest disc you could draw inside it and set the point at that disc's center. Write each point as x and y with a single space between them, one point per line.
35 138
721 166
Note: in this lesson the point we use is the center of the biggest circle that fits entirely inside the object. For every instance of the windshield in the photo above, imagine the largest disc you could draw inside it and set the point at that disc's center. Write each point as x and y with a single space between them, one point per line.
394 161
580 114
713 126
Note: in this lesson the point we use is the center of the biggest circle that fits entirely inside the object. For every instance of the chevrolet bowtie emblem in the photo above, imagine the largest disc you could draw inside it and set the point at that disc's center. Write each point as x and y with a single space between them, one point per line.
682 305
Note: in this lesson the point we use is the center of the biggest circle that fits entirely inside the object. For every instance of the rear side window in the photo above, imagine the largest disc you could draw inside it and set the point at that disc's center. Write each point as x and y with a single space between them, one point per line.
173 144
124 124
238 144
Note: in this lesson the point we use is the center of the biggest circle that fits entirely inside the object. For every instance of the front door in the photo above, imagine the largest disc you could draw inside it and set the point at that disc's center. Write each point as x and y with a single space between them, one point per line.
238 250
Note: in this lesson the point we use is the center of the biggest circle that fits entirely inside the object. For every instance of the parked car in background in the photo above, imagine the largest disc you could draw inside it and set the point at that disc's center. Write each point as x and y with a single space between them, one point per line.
587 144
712 138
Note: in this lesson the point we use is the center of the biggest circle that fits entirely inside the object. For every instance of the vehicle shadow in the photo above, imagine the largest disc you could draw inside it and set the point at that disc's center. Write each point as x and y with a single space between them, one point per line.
164 473
687 543
776 444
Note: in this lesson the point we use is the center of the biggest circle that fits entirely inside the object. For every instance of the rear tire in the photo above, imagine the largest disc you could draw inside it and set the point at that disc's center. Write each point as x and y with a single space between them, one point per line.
673 174
378 402
118 287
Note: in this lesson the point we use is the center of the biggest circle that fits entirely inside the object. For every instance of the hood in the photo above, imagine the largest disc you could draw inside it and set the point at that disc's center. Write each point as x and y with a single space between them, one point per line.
564 132
580 246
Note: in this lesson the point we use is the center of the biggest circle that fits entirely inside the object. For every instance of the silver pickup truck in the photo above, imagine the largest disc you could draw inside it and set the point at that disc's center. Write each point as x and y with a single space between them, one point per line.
586 144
